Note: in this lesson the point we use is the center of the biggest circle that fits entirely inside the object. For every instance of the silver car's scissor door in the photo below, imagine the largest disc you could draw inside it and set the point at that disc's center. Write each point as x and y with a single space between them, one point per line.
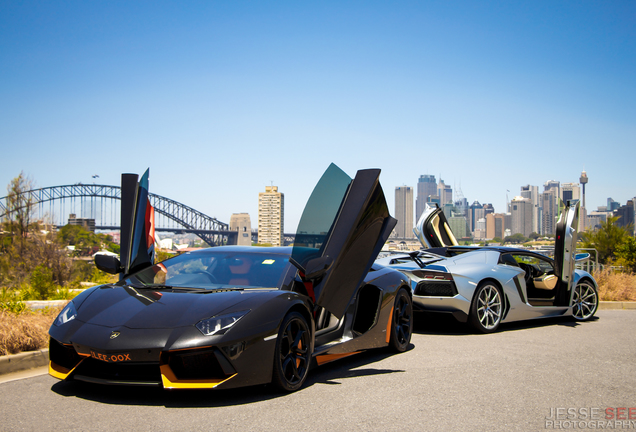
432 229
564 251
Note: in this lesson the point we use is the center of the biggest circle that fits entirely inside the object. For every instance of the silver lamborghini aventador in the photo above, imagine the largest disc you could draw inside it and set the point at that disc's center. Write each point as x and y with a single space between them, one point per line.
486 286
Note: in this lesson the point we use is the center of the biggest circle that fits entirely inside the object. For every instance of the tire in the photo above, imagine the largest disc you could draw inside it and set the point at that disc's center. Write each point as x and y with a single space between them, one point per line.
401 322
292 355
585 301
487 309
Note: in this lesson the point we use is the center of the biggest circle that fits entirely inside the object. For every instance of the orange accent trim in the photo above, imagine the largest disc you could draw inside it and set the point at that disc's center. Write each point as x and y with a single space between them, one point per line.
326 358
388 326
170 380
60 372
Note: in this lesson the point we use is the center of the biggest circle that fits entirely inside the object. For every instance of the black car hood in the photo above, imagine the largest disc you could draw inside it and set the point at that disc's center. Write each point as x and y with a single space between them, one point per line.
112 306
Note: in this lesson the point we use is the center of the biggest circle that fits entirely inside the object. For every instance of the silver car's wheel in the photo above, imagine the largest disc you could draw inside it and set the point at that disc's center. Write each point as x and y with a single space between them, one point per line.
487 308
585 301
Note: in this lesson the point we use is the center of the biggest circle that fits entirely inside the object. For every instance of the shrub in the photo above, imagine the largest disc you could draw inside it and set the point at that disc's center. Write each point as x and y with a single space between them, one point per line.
613 286
26 331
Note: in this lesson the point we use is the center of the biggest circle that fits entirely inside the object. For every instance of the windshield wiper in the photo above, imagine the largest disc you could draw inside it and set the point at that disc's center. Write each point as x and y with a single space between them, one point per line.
153 286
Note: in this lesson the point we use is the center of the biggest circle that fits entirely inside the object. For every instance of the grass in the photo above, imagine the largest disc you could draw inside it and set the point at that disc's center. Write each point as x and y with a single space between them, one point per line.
26 331
614 286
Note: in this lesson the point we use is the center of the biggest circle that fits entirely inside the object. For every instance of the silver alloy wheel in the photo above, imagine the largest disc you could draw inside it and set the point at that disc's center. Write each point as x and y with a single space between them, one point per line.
489 307
585 301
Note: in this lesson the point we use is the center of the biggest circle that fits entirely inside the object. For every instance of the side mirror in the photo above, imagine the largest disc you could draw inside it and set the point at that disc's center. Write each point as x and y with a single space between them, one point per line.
317 267
581 257
108 263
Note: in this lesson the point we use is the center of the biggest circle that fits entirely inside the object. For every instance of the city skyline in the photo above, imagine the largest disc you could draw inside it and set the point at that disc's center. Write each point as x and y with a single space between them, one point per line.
488 97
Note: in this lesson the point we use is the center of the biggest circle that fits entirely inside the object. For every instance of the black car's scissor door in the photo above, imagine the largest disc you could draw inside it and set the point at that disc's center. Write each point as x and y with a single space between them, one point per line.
432 229
343 228
564 252
138 221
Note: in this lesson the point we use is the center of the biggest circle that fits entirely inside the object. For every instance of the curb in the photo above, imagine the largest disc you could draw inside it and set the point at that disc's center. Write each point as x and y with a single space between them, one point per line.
613 305
41 304
23 361
32 359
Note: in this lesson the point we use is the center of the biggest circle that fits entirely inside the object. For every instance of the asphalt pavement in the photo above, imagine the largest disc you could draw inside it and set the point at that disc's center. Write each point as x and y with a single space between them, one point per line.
449 379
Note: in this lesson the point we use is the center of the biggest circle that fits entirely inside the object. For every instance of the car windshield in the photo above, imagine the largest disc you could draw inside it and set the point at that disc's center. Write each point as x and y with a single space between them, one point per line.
212 270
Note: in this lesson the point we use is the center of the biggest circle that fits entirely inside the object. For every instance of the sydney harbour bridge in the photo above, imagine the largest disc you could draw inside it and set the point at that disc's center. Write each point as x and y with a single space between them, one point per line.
54 204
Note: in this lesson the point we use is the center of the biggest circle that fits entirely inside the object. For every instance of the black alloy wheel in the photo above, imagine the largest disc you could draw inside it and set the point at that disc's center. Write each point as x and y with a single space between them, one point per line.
401 321
292 355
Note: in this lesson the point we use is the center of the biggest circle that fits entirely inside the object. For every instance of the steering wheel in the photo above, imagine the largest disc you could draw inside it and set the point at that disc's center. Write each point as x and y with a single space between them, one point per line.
208 274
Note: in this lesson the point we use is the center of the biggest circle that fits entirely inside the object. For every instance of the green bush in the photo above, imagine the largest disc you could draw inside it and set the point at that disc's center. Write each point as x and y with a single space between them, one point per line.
42 282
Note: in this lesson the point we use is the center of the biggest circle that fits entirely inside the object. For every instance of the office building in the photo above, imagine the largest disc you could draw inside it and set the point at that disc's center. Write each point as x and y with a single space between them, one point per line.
445 192
459 226
625 215
488 209
532 193
426 188
495 225
550 211
87 223
475 212
569 192
404 211
521 215
271 205
612 205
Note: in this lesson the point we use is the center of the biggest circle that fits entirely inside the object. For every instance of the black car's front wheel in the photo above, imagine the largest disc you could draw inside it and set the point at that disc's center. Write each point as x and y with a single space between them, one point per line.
292 356
486 310
401 321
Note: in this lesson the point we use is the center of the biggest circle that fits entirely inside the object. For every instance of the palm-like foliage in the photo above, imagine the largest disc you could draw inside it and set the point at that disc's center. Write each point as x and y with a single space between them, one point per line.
606 240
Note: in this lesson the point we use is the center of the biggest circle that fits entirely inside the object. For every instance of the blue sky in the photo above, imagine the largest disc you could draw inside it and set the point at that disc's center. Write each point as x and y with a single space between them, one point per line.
220 99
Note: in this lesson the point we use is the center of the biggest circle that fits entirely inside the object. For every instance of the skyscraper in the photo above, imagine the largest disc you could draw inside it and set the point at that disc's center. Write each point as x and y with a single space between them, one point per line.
445 192
549 207
549 211
271 205
570 191
521 210
532 193
426 187
475 212
495 225
404 211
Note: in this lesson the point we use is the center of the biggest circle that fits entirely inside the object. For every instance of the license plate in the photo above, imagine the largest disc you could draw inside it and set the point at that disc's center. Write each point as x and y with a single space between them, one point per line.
111 358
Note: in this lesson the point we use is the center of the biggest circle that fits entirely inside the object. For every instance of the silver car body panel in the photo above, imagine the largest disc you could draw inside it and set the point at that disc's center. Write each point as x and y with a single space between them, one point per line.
468 271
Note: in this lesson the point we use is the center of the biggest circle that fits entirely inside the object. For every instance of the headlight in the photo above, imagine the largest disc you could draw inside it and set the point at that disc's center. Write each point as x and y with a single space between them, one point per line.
67 314
220 324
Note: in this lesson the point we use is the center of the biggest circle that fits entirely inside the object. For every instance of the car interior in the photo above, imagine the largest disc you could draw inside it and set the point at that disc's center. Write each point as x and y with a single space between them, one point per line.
539 276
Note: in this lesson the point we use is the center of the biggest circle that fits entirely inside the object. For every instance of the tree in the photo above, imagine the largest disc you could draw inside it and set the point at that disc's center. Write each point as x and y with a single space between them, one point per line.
28 255
515 238
606 239
19 205
84 240
626 254
534 235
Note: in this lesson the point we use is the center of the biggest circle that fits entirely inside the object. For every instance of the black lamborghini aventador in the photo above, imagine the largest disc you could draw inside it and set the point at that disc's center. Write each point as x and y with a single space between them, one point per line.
234 316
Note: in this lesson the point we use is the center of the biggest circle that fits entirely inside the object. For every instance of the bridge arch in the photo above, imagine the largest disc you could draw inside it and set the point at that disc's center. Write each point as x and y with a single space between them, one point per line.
209 229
